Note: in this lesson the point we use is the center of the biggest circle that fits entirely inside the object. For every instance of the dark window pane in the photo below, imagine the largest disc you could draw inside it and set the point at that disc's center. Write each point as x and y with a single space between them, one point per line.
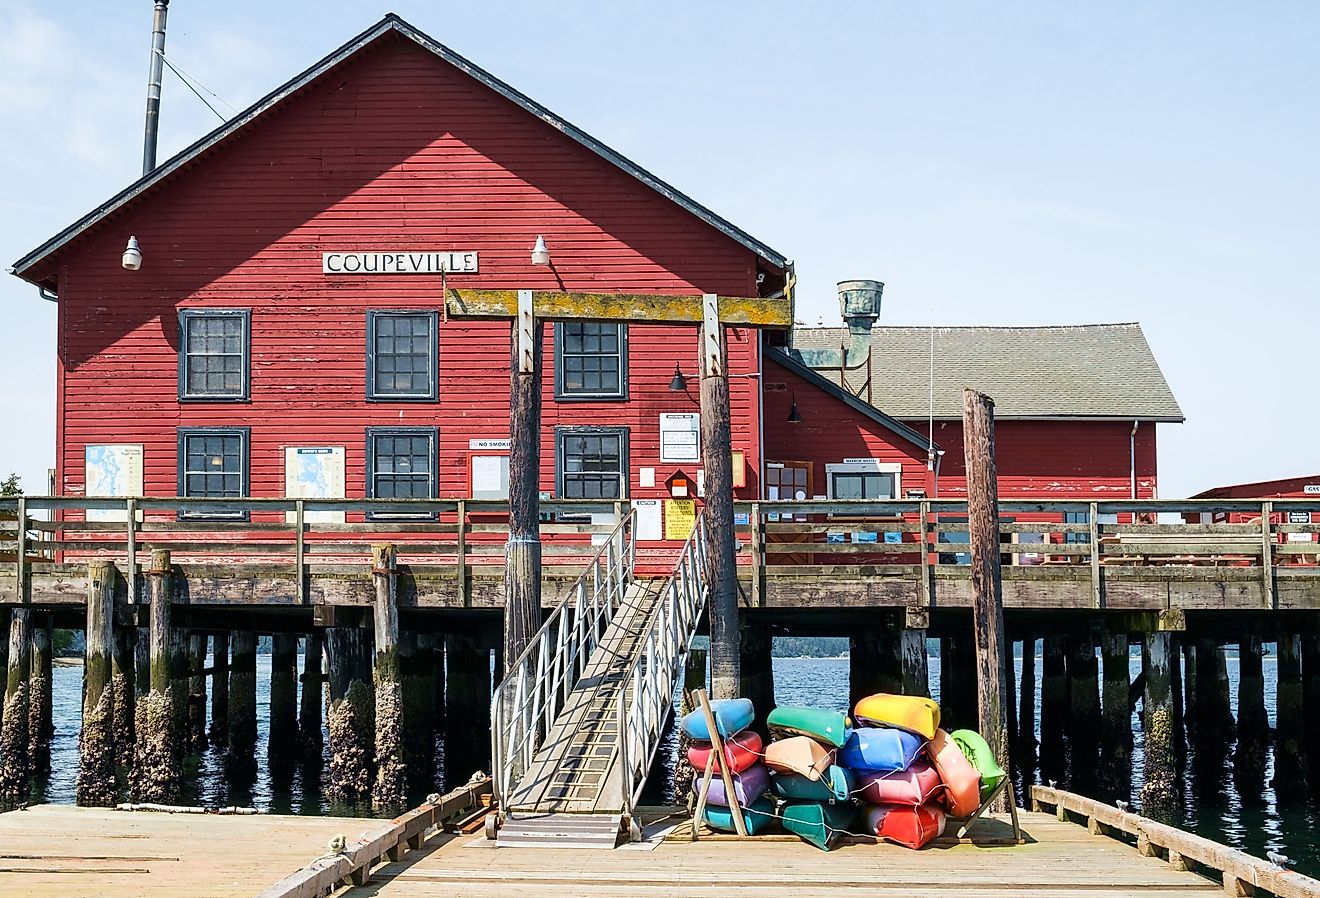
590 359
403 356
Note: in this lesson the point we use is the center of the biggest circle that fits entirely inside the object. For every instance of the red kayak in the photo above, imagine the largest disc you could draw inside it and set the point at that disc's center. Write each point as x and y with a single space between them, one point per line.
742 751
905 825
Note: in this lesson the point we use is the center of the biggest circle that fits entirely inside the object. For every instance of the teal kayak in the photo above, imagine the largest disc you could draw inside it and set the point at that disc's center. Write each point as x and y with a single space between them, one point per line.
835 784
819 824
732 715
757 816
829 727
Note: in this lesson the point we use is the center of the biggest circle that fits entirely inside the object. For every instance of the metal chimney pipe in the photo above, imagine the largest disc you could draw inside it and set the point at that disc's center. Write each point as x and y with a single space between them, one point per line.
154 76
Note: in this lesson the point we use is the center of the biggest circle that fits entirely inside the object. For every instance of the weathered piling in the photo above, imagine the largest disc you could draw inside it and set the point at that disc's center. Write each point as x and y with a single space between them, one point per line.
96 750
694 678
313 694
1053 709
351 716
123 683
243 699
915 676
220 689
142 661
195 713
417 682
957 682
1214 717
522 552
756 667
282 740
1116 755
1290 771
156 771
390 787
1176 692
1190 711
1159 789
1084 713
41 722
987 588
874 658
717 452
1253 725
14 757
1311 701
4 659
467 707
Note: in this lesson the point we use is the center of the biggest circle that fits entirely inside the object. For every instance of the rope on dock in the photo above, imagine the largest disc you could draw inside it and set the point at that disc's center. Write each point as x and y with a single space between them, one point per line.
231 810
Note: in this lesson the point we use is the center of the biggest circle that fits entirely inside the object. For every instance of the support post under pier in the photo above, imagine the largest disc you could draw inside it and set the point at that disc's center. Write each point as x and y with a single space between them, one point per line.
15 768
156 772
467 707
389 789
1116 754
282 739
313 694
220 689
1160 788
1253 728
1290 734
96 749
352 710
757 667
41 723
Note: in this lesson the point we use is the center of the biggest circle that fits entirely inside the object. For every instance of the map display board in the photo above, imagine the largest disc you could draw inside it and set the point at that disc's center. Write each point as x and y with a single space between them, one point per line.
112 470
314 472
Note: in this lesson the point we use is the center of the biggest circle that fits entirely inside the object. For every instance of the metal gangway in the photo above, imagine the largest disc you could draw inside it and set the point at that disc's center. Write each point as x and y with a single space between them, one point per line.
576 723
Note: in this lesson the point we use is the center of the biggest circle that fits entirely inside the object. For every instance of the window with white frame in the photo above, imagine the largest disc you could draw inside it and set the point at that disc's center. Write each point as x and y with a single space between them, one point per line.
401 355
592 462
591 360
863 479
213 464
213 354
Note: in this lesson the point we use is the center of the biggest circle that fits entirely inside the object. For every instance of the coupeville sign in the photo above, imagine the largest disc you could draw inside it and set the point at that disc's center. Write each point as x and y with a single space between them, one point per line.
399 263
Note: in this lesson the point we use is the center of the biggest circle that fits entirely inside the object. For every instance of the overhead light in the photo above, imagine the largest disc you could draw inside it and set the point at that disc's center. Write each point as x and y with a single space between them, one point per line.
540 254
132 255
794 416
677 384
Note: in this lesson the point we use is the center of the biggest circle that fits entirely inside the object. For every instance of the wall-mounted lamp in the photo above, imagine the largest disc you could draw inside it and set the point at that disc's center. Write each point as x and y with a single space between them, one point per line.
132 255
794 416
678 384
540 253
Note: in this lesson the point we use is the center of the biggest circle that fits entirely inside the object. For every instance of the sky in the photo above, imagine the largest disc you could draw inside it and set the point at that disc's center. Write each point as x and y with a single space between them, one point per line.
995 163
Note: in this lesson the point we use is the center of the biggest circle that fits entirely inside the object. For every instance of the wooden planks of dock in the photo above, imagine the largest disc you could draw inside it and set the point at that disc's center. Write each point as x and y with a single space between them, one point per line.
53 851
1059 859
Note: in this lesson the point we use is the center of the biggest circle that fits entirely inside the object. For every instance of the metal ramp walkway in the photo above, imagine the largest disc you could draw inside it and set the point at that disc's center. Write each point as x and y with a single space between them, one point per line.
577 721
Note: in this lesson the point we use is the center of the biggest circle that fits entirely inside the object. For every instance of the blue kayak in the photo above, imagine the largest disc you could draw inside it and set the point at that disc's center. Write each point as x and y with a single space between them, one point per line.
757 816
835 784
879 748
732 715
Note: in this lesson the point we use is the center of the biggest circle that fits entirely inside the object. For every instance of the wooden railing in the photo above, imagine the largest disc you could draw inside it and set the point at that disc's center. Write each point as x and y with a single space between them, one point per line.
1240 873
1091 547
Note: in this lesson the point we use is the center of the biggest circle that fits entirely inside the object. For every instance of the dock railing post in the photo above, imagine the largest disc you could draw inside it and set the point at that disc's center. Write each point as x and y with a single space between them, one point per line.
987 588
1267 554
1097 586
300 551
924 591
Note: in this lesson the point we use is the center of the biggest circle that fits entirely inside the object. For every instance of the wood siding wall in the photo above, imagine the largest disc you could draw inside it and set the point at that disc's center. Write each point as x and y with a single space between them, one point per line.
396 150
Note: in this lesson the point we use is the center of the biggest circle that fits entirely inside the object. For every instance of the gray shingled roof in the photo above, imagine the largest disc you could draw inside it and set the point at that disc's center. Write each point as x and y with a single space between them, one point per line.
1088 371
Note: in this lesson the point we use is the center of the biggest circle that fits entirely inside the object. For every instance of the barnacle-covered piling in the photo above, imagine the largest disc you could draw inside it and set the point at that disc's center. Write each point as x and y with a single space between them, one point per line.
14 757
96 750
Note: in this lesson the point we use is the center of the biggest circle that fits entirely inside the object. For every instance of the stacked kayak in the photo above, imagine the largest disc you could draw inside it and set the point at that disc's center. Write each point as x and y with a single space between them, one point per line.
803 759
741 756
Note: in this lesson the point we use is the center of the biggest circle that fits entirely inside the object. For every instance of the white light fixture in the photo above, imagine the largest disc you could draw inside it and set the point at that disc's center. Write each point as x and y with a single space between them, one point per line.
132 255
540 254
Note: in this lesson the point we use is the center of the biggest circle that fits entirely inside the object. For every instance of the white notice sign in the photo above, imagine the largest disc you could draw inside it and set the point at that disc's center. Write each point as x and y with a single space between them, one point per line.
488 444
112 471
490 476
1311 489
314 472
680 437
407 262
648 519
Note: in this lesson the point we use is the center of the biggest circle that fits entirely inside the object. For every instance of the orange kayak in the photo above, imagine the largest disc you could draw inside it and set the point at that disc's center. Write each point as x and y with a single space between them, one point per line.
962 783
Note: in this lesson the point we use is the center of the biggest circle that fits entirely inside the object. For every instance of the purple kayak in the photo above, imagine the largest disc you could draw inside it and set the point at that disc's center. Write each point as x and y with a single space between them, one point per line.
749 785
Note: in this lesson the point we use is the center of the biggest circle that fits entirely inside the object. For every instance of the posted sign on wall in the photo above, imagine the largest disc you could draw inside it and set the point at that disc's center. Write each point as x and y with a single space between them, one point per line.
399 263
680 437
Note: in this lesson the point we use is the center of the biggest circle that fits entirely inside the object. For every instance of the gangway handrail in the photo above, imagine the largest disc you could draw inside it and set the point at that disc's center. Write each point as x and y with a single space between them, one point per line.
647 687
526 702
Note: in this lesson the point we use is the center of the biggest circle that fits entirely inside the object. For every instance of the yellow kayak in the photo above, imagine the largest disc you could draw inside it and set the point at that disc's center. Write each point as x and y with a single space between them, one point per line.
906 712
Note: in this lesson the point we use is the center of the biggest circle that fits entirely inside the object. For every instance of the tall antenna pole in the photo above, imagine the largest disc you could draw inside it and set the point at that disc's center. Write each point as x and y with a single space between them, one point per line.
154 76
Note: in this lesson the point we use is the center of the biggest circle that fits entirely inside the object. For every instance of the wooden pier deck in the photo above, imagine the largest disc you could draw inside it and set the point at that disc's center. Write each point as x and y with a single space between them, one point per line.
1059 859
54 851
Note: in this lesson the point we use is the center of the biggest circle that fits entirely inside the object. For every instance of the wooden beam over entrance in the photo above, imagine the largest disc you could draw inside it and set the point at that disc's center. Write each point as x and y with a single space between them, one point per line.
639 307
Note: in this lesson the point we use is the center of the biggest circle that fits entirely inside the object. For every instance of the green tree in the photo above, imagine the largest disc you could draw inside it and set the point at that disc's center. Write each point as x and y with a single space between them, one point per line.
10 486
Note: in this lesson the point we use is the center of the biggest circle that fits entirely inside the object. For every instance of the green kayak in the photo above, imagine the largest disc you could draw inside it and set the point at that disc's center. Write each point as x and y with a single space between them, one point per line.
978 752
819 824
829 727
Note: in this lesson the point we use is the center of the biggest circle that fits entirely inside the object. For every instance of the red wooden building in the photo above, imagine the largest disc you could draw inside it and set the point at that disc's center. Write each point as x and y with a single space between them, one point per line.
288 308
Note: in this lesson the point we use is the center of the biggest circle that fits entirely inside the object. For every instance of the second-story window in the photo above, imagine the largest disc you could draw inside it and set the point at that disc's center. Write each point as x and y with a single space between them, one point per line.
591 361
592 462
401 356
213 354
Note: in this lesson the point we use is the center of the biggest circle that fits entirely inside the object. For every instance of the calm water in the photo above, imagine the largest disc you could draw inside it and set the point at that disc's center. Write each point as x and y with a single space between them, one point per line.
1212 807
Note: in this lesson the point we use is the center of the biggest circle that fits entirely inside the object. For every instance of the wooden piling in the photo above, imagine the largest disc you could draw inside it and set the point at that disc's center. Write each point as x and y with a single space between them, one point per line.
220 689
123 683
694 678
390 788
875 662
96 749
1310 701
1190 711
915 675
1176 691
1084 720
4 659
14 757
958 682
1253 725
156 772
1159 789
282 740
1026 742
313 694
756 667
987 588
1214 718
141 661
522 554
417 684
717 462
1053 709
1290 773
467 707
1116 730
243 699
195 714
41 722
351 716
